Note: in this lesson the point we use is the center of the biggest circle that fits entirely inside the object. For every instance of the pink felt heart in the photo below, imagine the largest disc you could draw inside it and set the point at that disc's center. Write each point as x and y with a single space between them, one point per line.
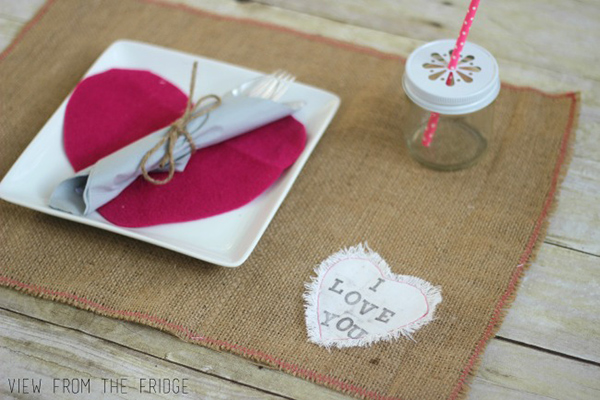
112 109
115 108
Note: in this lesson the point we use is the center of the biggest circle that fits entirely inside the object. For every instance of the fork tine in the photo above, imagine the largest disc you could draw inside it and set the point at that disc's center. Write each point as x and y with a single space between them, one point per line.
268 90
266 86
279 73
283 85
270 87
260 84
276 88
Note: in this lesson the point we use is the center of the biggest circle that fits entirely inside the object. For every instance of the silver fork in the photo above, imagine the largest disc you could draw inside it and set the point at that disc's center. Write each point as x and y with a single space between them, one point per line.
278 86
269 87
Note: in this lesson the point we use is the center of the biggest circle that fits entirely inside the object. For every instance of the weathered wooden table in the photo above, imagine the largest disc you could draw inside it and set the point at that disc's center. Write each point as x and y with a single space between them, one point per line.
549 344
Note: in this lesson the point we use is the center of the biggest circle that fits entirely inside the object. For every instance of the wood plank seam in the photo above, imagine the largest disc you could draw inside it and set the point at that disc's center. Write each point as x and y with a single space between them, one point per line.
550 242
548 351
50 322
260 367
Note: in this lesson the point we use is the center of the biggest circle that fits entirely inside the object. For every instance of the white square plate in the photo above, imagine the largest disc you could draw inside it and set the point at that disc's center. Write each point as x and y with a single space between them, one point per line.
226 239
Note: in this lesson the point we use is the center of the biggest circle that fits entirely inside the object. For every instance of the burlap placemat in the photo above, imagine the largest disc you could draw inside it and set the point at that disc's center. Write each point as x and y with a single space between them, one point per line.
471 232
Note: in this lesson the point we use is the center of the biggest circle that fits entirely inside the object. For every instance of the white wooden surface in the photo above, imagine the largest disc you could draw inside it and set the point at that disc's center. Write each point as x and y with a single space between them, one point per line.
549 344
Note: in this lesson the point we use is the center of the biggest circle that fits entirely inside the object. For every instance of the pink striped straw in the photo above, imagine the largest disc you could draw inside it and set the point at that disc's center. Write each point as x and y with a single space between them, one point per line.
458 47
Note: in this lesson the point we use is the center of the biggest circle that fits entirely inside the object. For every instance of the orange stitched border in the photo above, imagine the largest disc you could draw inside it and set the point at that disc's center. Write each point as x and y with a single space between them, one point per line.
295 369
524 257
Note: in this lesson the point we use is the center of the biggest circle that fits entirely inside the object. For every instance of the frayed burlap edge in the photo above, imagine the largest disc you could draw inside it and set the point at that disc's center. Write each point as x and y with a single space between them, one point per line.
462 386
532 247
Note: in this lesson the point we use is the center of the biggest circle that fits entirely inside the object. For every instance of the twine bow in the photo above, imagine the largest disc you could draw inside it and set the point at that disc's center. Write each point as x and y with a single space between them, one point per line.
177 129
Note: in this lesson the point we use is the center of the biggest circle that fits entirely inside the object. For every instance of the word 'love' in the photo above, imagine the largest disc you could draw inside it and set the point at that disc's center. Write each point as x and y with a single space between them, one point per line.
356 300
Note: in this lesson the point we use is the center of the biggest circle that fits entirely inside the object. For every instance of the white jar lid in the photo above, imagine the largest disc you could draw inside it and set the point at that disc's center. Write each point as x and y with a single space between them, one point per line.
476 81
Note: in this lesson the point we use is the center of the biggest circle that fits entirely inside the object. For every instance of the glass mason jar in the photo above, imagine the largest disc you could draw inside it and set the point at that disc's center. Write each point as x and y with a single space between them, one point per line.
451 114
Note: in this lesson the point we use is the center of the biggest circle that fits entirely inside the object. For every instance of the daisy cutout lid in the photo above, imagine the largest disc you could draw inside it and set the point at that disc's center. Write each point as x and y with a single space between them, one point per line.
473 85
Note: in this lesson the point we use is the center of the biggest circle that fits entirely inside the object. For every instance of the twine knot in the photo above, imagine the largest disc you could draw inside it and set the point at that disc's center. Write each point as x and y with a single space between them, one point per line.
177 129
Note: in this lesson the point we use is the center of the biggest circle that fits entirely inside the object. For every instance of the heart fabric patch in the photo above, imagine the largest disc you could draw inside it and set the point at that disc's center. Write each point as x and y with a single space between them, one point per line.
112 109
355 300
